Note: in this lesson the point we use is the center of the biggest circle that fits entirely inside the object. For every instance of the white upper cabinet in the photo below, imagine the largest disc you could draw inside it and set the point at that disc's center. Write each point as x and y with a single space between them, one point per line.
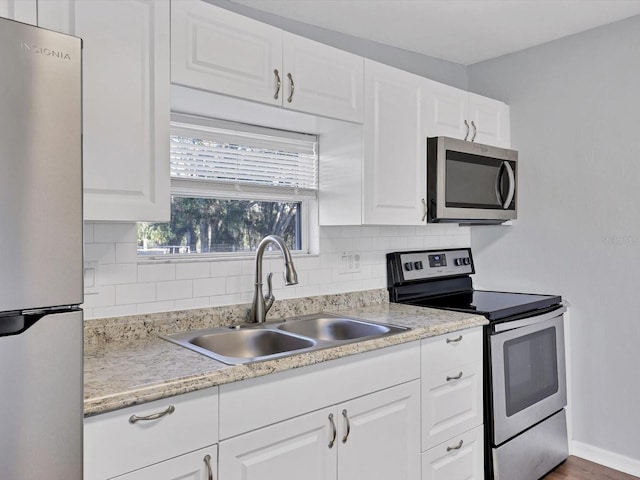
219 51
25 11
125 103
451 112
394 167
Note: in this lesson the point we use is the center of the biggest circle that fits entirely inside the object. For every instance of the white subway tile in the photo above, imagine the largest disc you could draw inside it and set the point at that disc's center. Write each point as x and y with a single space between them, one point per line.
225 269
232 299
363 244
351 231
88 232
116 274
192 270
381 243
115 232
135 293
398 243
118 311
407 230
155 307
308 291
240 284
160 272
206 287
174 290
102 253
189 303
100 297
389 231
126 252
318 277
306 263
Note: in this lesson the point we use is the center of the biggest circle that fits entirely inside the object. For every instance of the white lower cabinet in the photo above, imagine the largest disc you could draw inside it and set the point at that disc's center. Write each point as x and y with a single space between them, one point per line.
374 436
452 406
199 465
461 458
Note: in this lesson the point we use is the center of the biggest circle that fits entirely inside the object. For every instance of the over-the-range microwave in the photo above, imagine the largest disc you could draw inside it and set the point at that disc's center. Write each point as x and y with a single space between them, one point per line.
470 183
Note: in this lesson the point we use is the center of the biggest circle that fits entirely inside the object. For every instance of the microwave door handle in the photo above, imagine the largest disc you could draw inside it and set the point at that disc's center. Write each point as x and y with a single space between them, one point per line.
512 185
499 184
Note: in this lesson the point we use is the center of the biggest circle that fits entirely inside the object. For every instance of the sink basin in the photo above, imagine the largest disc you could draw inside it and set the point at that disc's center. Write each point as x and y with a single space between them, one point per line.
266 341
335 328
241 346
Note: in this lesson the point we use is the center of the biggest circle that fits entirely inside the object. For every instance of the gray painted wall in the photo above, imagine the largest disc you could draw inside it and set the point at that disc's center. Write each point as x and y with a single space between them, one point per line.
430 67
575 118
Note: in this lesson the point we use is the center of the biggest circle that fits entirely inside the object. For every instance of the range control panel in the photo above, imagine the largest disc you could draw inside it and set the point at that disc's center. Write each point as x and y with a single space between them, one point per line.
435 263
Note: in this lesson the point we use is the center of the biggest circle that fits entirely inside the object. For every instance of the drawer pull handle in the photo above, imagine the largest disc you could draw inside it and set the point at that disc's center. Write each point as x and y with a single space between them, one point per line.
334 431
154 416
278 83
457 447
457 377
454 340
292 87
207 462
346 419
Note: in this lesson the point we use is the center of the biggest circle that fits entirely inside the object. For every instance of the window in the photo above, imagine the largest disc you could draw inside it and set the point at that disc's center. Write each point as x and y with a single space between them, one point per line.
231 185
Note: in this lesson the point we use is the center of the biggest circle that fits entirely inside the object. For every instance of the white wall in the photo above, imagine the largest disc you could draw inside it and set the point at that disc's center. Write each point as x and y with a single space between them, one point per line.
124 286
575 118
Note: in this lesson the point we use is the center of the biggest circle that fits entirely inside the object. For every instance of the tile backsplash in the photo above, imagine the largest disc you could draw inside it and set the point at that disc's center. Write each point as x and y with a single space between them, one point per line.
117 283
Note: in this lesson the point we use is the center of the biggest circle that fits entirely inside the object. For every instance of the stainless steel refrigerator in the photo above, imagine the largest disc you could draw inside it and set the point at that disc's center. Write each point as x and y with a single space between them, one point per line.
40 254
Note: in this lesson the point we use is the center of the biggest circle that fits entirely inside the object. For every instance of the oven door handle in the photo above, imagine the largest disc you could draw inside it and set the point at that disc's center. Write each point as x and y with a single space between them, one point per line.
503 327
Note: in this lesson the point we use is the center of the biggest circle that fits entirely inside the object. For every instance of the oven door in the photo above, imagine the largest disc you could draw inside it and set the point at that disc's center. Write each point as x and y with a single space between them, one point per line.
528 374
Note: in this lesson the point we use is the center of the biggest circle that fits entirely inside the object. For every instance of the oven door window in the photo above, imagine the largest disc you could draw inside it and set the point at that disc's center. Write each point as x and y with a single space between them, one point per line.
530 369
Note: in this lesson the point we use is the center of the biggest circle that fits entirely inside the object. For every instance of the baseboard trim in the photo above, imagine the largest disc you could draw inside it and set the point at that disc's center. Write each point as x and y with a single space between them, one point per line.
605 457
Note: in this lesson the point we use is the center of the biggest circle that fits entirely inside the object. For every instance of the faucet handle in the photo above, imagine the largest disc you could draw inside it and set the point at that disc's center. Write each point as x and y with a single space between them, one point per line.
269 298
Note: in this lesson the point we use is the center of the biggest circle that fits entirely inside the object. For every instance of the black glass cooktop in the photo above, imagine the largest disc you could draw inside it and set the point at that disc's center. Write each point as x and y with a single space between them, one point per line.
493 305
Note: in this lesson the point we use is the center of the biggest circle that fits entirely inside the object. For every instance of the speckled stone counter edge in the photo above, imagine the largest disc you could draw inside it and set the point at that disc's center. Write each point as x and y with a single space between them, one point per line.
106 390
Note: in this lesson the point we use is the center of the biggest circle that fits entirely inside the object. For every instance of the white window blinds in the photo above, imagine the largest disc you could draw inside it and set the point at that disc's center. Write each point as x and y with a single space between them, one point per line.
223 153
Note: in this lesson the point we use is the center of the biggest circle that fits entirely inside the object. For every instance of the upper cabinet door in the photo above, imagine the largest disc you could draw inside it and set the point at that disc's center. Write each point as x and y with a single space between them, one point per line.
125 103
394 169
220 51
322 80
491 120
445 110
25 11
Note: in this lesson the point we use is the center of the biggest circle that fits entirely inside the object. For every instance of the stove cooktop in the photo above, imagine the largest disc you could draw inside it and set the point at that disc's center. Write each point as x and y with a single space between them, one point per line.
493 305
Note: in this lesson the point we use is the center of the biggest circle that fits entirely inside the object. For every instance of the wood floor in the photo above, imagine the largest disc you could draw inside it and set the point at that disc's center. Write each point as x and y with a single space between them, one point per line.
575 468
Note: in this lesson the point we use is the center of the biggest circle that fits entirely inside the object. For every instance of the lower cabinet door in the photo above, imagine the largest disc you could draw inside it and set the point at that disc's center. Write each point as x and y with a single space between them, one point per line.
300 448
379 435
198 465
460 458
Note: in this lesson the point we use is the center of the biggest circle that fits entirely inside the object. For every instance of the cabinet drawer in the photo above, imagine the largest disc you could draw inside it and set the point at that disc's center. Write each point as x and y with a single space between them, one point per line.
452 350
113 445
198 465
460 458
451 403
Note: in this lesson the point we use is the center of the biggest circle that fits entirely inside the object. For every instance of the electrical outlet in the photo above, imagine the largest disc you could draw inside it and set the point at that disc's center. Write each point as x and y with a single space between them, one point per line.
349 262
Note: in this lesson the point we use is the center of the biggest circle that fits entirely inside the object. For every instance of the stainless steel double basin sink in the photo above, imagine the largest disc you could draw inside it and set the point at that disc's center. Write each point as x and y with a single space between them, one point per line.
266 341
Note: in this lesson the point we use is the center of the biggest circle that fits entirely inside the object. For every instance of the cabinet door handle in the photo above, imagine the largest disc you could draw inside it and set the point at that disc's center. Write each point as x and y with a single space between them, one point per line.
457 447
292 87
207 462
424 207
154 416
454 340
466 135
457 377
334 431
475 131
348 423
278 84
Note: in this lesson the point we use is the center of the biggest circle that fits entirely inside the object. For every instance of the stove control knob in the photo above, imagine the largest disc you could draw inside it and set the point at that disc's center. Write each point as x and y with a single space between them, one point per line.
418 265
458 262
408 266
467 261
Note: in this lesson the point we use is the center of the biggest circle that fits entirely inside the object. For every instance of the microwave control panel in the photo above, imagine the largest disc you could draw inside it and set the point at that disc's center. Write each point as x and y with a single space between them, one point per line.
436 263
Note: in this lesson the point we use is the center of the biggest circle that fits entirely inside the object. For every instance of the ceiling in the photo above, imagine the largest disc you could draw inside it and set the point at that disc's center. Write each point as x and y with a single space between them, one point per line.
461 31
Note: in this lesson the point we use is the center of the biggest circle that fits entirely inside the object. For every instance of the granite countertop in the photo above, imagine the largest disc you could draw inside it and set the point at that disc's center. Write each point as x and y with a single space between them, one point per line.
129 369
